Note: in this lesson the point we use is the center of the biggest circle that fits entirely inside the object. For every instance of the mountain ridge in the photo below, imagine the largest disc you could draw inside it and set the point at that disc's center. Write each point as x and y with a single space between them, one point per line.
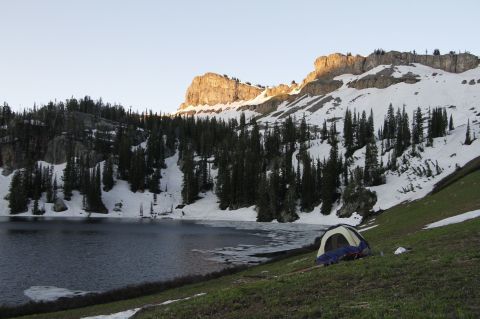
211 88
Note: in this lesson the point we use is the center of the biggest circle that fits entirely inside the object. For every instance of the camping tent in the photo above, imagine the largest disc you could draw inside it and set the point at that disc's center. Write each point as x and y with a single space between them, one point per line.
341 242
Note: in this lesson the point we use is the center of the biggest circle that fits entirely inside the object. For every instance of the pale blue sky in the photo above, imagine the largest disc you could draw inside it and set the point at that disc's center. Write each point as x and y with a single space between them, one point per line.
145 53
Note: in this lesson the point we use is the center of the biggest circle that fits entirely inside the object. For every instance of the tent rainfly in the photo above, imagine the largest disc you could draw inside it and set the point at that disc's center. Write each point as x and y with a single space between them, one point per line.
341 242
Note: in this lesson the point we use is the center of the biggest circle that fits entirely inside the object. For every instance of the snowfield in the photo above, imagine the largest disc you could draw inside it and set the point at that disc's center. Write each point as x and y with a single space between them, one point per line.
436 88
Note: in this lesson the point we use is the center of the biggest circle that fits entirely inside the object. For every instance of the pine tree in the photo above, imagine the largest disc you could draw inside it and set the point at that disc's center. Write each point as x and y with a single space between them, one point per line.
154 183
68 178
303 133
55 187
107 175
348 134
17 198
223 180
273 193
124 156
290 204
372 172
444 122
262 201
36 210
93 193
308 184
370 127
190 181
50 197
417 127
37 182
429 129
450 124
362 131
137 171
468 138
205 183
330 178
324 131
391 125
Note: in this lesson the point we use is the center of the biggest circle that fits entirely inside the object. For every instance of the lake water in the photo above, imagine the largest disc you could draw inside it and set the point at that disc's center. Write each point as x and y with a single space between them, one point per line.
47 258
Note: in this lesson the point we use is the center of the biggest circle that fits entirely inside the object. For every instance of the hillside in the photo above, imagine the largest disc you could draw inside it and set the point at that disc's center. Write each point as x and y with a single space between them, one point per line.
364 84
374 287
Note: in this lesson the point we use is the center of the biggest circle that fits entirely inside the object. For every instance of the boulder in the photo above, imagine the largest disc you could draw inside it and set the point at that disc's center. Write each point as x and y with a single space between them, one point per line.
59 205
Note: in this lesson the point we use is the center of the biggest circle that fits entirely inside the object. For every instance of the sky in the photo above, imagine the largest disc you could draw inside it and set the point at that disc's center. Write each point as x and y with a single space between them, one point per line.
144 53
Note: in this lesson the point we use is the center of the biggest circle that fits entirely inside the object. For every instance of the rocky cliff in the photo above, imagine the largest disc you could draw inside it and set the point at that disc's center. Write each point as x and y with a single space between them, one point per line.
337 64
211 89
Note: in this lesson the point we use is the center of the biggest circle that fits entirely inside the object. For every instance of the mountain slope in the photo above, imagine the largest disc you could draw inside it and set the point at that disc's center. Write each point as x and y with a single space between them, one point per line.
383 284
410 87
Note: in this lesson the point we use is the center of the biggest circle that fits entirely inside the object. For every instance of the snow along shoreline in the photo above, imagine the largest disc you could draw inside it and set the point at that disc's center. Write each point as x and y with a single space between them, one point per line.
204 209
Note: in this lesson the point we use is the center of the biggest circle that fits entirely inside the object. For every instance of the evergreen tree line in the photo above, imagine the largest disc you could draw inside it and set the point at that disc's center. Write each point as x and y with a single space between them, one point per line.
253 163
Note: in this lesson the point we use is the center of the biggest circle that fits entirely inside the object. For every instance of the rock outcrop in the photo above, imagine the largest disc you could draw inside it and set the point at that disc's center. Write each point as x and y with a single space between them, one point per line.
281 89
320 87
211 89
382 80
359 200
330 66
270 105
12 157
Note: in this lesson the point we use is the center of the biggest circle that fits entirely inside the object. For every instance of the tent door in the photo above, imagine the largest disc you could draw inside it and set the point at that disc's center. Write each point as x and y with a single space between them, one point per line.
336 241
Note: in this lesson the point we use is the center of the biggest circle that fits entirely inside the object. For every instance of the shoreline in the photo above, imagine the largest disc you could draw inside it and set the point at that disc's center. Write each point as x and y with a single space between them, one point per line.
143 289
99 216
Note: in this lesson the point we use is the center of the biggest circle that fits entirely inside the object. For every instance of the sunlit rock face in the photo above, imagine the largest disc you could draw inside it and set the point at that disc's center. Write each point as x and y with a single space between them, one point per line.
212 89
338 64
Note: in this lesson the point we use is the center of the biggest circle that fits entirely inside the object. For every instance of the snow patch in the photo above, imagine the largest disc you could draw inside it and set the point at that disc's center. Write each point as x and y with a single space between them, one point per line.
367 228
129 313
119 315
454 219
51 293
400 250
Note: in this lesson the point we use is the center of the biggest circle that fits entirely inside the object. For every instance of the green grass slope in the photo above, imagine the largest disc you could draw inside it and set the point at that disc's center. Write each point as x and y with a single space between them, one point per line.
440 277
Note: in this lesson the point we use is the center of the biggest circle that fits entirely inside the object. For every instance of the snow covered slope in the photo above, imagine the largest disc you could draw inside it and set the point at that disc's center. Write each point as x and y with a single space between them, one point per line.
205 208
458 93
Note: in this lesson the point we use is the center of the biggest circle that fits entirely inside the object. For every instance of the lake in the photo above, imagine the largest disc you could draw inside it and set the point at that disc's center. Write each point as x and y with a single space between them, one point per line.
43 259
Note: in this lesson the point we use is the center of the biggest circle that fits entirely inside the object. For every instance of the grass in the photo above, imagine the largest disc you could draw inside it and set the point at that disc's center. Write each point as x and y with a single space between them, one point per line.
440 277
